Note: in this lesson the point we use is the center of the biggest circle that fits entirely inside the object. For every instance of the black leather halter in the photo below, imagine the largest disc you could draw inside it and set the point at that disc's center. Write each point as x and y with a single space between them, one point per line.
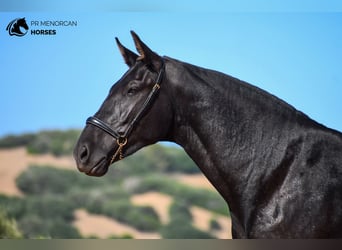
121 140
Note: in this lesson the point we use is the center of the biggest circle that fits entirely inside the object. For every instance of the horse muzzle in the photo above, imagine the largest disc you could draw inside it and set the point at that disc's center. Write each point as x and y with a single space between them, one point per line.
85 164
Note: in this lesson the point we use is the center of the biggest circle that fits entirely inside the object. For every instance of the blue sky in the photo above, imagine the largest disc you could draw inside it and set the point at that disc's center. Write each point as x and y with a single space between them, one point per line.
56 82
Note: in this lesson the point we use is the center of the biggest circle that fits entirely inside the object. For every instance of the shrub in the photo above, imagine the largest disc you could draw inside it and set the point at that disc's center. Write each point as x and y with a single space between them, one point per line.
35 226
60 229
50 207
14 206
43 180
56 142
180 226
94 200
156 158
215 225
196 196
39 180
141 217
8 227
42 216
180 211
12 141
123 236
177 229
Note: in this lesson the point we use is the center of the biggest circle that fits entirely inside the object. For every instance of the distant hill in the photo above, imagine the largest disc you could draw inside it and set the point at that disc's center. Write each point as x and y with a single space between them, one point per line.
54 199
61 143
56 142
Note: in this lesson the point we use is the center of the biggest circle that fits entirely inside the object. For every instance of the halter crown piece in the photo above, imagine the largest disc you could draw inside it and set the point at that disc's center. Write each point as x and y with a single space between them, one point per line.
121 140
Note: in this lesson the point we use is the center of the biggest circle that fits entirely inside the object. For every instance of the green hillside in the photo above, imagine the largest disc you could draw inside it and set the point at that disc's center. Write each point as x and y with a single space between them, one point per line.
53 194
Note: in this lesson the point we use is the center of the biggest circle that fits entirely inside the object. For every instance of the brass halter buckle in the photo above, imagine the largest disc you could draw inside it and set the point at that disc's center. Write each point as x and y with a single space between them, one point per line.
121 143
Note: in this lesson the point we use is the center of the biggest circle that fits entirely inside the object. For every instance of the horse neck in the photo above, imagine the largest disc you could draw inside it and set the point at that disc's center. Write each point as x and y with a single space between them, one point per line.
222 123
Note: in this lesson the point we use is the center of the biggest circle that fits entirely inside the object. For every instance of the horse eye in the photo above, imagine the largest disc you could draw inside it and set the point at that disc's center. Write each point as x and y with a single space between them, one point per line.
131 91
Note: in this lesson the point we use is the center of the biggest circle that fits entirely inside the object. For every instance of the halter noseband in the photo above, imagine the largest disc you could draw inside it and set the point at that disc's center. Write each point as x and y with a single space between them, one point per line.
121 140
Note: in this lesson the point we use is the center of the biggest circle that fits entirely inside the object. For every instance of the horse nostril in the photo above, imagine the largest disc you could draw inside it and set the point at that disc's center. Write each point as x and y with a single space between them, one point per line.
84 154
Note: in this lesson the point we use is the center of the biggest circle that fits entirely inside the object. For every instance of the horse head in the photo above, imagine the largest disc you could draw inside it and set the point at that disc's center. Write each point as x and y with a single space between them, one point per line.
136 113
14 27
22 23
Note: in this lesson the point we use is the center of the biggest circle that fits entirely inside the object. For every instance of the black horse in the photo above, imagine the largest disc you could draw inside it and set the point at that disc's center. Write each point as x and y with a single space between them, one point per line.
14 27
279 171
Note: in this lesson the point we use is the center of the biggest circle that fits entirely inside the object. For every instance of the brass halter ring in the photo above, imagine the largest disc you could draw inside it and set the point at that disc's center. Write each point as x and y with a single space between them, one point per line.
121 144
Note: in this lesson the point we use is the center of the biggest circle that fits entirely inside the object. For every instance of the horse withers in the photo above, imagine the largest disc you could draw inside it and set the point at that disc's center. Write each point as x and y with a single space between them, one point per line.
279 171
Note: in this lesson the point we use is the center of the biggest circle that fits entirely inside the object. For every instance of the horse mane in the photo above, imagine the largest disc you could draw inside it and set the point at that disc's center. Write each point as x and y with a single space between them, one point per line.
223 81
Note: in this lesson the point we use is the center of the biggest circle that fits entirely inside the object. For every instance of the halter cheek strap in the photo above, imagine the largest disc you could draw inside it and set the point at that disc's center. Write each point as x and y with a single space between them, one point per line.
121 140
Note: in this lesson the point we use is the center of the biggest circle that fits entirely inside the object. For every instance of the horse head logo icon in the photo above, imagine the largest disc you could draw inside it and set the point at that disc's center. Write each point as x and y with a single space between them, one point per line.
17 27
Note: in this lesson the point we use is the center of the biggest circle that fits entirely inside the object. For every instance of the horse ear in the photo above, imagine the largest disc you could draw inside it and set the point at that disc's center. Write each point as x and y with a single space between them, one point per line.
129 56
146 54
